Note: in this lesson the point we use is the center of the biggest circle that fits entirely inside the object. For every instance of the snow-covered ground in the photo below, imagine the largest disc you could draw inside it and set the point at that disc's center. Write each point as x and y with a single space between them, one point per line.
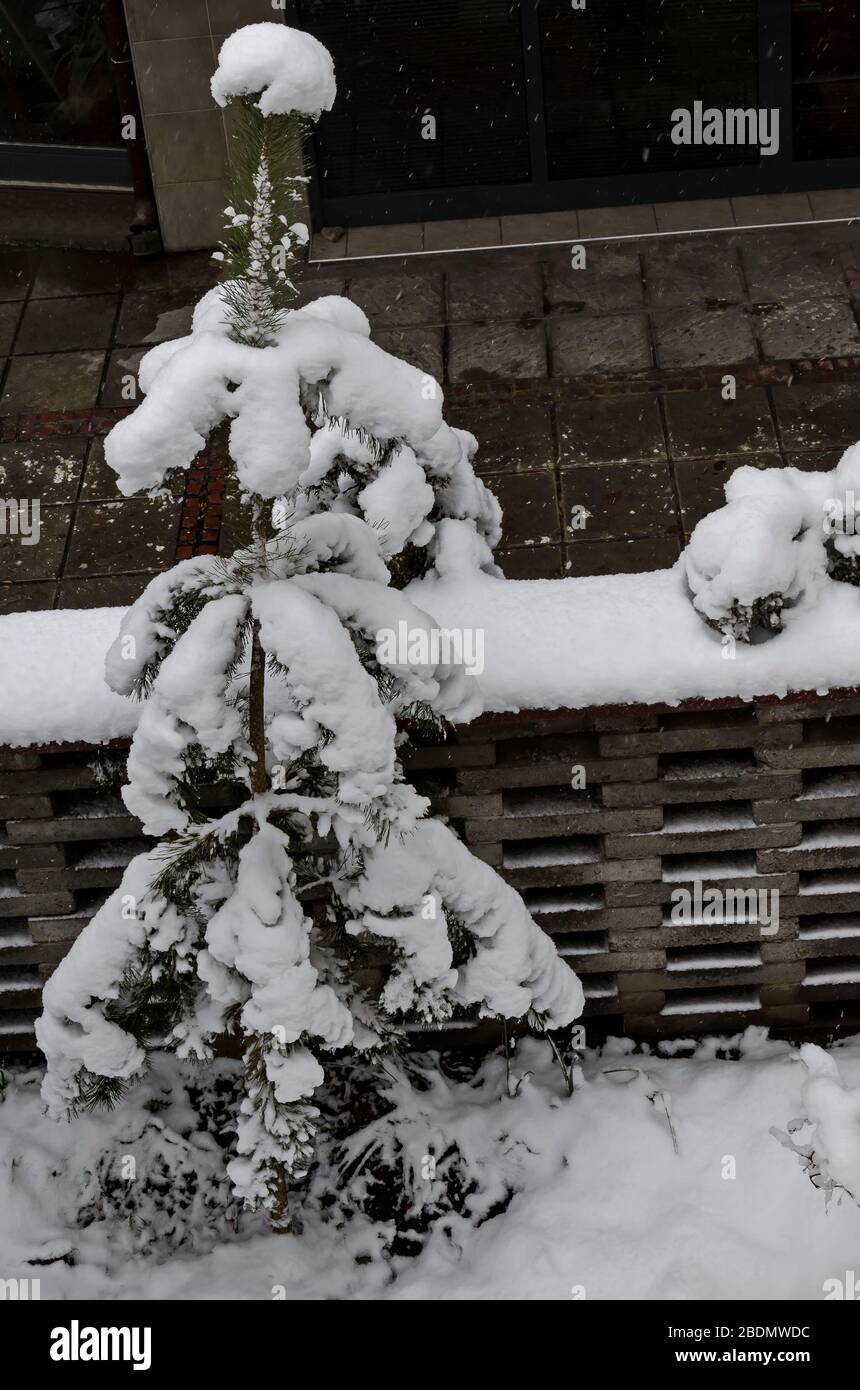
659 1178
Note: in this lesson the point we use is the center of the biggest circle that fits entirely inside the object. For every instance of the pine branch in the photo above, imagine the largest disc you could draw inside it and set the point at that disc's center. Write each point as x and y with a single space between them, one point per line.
258 248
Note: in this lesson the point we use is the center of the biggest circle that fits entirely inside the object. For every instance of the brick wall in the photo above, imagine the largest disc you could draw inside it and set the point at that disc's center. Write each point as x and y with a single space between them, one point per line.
762 796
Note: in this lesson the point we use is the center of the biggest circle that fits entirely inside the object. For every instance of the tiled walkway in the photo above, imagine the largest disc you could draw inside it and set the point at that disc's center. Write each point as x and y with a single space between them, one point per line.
602 388
74 325
598 388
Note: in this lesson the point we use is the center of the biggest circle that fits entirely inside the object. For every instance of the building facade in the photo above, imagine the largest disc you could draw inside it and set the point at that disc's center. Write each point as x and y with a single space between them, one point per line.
452 108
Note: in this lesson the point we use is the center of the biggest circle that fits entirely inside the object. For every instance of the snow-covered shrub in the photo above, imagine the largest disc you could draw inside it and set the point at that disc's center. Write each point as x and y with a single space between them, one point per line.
263 679
772 546
162 1184
826 1138
149 1178
447 1144
842 519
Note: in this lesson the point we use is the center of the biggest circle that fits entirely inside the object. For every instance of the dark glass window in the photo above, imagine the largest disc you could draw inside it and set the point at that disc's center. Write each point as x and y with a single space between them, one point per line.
826 75
402 65
615 71
55 79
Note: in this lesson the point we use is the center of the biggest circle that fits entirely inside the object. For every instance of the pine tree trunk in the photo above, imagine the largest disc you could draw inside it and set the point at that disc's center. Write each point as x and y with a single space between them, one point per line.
281 1216
257 682
257 713
282 1221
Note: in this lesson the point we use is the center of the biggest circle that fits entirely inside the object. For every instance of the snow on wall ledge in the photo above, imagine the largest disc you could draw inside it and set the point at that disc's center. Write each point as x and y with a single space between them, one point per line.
635 639
52 681
548 644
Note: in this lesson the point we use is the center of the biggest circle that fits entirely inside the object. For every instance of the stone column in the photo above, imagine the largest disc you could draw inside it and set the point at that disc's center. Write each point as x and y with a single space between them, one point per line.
175 46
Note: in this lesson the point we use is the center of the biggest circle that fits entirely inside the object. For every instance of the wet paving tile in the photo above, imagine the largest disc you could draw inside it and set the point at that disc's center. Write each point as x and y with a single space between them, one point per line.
701 336
613 345
60 325
532 562
33 540
48 469
815 460
609 280
235 522
10 313
312 287
495 291
120 386
155 318
617 500
126 536
620 557
27 597
811 415
529 507
686 271
72 272
52 381
704 423
104 591
783 273
812 328
17 268
99 482
420 347
512 436
506 351
193 270
398 299
610 429
849 259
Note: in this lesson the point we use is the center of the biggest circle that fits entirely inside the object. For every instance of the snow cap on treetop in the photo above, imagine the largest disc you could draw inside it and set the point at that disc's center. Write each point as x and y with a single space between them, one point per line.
291 70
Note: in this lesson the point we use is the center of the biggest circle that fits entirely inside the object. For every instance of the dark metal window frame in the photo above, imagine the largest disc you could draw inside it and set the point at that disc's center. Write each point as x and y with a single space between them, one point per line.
778 173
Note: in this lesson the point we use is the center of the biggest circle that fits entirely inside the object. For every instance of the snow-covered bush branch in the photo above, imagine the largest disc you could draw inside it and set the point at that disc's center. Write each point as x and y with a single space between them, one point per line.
773 545
826 1138
269 751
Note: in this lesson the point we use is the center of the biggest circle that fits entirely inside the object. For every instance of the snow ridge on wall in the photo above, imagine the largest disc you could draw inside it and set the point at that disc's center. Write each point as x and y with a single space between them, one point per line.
614 639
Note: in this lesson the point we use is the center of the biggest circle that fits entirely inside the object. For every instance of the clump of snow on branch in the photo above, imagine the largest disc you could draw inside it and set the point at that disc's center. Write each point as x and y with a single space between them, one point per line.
291 70
435 475
408 892
73 1031
190 705
331 688
207 378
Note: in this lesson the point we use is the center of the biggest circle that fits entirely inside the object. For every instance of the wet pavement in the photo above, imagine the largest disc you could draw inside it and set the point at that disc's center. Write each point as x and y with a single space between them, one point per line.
598 394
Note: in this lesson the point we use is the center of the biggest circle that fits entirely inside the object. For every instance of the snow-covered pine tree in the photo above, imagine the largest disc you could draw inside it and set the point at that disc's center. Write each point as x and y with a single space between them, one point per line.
268 753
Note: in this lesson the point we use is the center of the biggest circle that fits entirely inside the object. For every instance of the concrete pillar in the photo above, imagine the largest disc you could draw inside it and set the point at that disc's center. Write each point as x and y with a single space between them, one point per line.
175 46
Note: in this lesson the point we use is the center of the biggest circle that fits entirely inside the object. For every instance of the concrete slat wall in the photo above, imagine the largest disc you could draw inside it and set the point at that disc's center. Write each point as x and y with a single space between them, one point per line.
762 797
